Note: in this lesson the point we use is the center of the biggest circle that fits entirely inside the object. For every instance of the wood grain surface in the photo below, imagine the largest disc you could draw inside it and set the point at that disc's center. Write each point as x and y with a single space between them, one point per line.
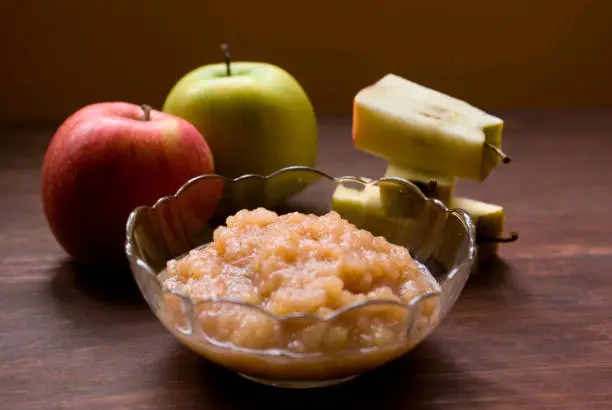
532 332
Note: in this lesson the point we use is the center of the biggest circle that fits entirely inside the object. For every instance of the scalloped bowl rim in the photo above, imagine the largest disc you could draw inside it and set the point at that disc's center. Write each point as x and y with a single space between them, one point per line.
133 257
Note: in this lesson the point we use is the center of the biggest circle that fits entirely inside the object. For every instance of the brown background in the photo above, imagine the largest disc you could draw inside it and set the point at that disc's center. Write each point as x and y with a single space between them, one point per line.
59 55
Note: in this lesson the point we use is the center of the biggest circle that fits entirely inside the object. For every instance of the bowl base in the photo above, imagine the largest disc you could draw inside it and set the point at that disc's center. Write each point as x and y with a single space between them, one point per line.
299 384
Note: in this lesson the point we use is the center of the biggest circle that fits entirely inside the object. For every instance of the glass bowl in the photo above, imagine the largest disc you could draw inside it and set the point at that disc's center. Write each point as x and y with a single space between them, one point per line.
442 241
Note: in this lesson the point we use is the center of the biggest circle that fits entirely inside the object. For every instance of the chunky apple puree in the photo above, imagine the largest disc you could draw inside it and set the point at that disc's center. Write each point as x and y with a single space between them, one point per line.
294 264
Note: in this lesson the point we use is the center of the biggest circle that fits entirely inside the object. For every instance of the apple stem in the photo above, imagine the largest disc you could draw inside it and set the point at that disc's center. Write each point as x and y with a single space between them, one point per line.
225 50
431 185
146 110
513 237
426 188
505 159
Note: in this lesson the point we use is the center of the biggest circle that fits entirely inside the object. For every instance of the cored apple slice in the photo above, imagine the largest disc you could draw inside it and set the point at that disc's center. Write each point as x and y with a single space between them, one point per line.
363 208
350 203
419 128
489 222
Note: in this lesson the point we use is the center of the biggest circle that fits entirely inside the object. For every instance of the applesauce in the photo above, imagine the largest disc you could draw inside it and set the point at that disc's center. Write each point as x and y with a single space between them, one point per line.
308 270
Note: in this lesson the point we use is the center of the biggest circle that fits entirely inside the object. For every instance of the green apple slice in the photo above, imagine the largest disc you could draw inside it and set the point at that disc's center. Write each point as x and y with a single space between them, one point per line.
419 128
489 222
350 204
434 186
363 208
403 216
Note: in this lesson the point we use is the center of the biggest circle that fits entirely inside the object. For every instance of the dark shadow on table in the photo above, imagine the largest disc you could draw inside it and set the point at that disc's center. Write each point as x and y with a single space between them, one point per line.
84 292
496 280
420 380
492 273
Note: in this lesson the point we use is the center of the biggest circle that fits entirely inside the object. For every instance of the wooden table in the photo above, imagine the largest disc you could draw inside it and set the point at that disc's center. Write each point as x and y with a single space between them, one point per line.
533 332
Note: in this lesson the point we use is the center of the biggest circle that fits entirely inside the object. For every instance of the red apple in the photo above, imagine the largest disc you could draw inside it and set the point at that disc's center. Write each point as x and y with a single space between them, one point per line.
107 159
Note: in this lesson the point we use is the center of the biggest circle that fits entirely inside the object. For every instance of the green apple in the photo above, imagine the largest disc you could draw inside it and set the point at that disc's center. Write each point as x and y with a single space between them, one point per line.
434 186
419 128
489 222
255 116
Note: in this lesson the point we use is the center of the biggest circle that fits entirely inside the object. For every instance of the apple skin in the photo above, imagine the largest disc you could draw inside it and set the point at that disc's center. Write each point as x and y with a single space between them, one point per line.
105 160
256 121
